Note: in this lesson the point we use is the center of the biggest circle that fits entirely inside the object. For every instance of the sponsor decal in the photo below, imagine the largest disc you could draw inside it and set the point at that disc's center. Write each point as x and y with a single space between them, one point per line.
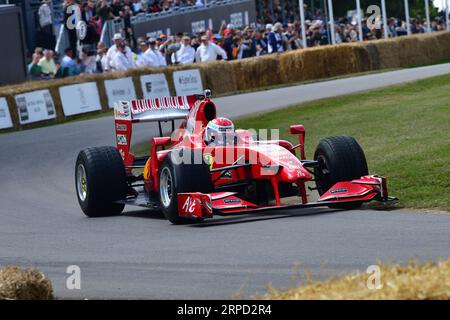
232 201
227 174
122 110
338 190
209 159
122 139
121 127
189 205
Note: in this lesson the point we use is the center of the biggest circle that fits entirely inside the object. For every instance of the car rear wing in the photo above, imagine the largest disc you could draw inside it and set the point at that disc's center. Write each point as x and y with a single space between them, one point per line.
148 110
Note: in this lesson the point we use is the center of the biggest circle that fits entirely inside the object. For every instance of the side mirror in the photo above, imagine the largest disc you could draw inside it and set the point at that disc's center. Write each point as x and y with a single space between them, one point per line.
297 129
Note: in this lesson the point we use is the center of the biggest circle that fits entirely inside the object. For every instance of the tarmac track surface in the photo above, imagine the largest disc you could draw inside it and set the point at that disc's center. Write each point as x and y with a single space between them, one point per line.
141 255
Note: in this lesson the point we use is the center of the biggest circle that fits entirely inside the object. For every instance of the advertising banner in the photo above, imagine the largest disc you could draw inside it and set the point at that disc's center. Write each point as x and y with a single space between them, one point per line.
80 98
188 82
119 90
5 117
35 106
154 86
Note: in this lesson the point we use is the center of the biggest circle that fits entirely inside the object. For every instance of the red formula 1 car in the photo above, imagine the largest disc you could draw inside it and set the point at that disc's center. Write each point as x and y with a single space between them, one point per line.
189 178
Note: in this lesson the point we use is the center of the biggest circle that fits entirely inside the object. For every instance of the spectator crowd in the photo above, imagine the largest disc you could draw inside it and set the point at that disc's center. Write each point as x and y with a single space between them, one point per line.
228 43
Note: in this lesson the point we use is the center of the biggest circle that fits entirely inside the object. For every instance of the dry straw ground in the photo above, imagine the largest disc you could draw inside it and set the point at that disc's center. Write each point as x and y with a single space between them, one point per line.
24 284
414 281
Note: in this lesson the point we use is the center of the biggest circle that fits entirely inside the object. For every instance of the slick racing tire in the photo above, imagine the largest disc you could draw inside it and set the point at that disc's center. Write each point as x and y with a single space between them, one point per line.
340 159
100 179
177 176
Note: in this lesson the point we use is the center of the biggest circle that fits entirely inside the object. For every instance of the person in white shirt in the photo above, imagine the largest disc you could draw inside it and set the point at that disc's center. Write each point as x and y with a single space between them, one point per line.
101 60
186 54
143 60
209 51
120 60
154 56
118 40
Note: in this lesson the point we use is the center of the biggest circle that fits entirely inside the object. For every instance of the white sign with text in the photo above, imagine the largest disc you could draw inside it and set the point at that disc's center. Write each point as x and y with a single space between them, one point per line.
119 90
80 98
188 82
5 117
154 86
35 106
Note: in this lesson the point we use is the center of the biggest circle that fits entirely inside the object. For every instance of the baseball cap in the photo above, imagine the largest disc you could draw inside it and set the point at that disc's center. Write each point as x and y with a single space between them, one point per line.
117 36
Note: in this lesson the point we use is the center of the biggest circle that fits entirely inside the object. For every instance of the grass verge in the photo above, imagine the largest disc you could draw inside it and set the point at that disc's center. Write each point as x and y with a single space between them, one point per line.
413 281
404 131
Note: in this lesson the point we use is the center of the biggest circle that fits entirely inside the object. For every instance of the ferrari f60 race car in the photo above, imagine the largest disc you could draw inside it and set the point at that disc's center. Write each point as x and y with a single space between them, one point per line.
188 179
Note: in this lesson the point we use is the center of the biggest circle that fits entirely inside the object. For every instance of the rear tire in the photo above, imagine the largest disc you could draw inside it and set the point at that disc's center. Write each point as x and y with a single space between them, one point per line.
175 177
340 158
100 180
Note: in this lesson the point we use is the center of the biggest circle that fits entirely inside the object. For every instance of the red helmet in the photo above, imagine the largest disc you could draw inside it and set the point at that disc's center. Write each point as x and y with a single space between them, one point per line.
220 131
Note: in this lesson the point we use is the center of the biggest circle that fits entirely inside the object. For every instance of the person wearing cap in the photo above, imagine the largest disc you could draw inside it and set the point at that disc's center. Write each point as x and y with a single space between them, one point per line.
275 39
154 56
209 51
186 54
118 40
121 60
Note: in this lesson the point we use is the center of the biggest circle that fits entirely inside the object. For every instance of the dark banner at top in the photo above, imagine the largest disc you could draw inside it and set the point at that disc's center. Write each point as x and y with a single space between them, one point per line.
239 13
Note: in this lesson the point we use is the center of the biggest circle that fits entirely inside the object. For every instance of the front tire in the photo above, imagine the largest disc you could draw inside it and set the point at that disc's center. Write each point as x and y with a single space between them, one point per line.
100 180
340 158
175 177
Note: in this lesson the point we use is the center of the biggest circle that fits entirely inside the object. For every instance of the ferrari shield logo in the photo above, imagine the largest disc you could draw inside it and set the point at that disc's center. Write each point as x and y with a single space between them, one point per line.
209 159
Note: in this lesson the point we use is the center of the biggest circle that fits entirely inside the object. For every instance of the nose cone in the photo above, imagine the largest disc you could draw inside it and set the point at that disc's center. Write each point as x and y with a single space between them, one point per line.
294 174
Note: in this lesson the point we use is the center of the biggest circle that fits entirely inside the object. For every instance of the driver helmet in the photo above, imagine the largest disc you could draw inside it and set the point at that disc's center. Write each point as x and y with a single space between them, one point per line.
220 132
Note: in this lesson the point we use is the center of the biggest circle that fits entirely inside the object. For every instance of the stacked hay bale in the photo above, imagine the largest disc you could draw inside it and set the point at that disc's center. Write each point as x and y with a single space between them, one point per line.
412 51
256 72
24 284
323 62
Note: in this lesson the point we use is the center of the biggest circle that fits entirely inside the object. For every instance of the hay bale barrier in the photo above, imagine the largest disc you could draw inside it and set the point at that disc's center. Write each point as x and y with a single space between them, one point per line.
413 50
24 284
256 72
413 281
261 72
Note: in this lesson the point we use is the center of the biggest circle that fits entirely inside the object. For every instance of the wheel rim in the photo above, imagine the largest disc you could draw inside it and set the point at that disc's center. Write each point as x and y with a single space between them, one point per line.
165 187
81 182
